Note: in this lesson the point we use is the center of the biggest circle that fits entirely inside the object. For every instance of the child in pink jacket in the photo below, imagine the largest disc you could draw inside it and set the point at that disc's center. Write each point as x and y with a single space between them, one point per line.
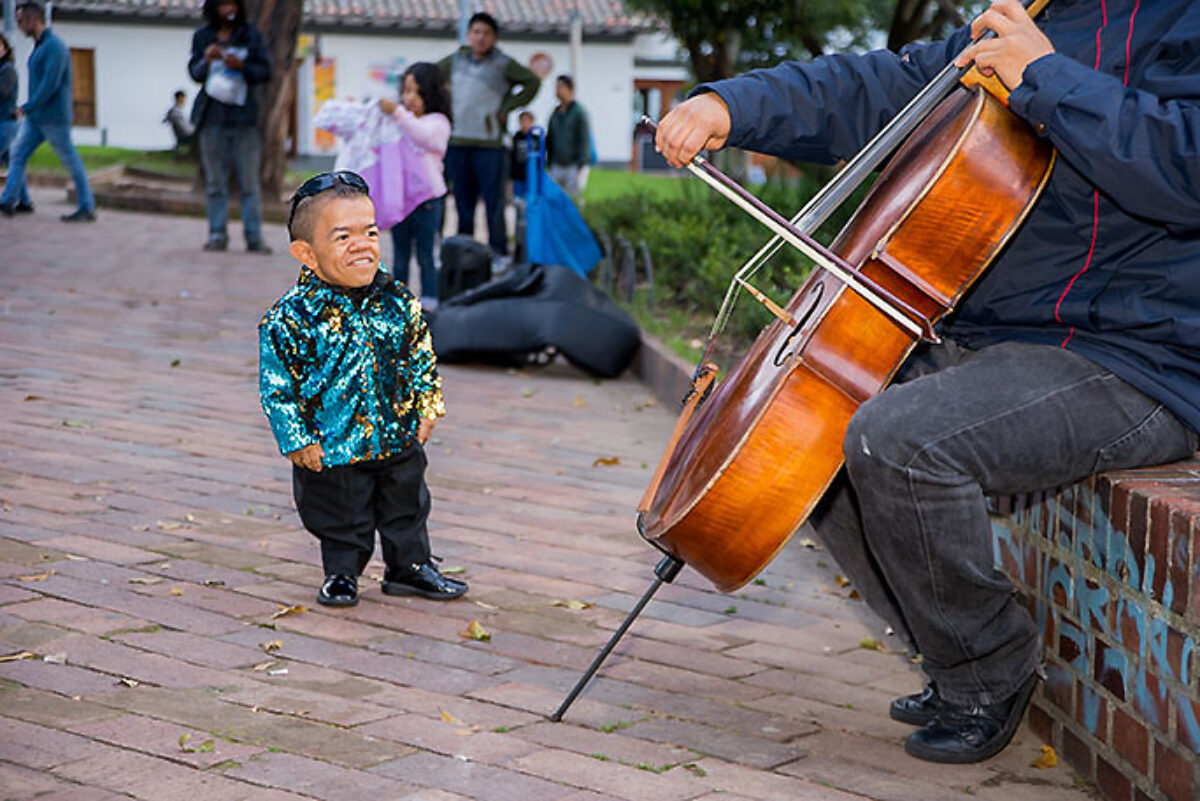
424 117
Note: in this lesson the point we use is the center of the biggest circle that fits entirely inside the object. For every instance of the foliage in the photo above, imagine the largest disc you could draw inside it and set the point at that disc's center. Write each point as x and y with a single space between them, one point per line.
697 241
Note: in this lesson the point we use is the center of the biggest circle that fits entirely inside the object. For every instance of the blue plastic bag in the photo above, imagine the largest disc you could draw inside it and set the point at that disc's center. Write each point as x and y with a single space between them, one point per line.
555 232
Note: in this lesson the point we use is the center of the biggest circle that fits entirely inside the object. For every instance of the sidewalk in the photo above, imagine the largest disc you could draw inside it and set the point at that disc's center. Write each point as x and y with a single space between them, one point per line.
152 566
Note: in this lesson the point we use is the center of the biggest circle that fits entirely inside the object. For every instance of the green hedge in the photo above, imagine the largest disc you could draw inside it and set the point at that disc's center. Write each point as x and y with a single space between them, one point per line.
698 240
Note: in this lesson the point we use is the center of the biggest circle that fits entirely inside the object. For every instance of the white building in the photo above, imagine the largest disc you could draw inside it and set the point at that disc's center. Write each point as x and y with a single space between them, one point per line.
129 57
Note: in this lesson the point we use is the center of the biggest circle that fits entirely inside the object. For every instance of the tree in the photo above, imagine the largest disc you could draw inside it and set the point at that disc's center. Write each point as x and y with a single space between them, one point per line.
279 22
920 19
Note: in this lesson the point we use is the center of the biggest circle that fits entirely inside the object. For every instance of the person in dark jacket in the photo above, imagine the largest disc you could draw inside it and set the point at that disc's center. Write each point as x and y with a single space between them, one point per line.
47 118
229 58
568 139
1077 351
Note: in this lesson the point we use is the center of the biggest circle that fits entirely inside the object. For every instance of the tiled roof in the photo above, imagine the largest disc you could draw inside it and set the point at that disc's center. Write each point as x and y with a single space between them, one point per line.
515 16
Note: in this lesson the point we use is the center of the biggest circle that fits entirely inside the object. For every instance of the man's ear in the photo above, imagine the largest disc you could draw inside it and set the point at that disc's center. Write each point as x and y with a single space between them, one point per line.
303 252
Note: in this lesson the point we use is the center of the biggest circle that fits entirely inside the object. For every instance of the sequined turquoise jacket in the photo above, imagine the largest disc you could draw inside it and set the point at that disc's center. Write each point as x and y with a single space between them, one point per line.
351 369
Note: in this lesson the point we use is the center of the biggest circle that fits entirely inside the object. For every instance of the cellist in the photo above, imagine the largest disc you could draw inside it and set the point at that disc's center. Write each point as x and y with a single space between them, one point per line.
1077 351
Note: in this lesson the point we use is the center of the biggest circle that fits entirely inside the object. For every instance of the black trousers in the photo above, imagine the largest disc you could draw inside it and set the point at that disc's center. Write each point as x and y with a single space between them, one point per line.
344 506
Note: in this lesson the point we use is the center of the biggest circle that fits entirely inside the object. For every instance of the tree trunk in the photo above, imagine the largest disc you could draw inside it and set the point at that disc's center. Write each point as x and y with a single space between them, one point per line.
279 23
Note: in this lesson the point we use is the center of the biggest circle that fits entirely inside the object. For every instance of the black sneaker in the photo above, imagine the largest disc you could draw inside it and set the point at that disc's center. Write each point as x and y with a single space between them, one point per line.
216 243
259 247
917 709
423 580
79 215
965 734
23 208
338 590
8 209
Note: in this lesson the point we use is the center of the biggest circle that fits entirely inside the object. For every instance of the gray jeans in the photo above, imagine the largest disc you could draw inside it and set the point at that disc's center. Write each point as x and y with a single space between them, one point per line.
907 521
238 148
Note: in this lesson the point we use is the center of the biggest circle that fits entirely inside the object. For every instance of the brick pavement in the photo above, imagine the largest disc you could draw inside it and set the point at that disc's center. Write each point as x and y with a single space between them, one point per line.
147 539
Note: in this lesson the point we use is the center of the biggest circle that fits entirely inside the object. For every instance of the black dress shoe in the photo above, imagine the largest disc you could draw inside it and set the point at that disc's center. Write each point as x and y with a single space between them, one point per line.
917 709
8 209
963 734
424 580
79 215
338 590
259 247
216 243
23 208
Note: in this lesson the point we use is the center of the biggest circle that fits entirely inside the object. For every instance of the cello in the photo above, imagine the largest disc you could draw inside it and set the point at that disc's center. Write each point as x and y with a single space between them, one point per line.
752 455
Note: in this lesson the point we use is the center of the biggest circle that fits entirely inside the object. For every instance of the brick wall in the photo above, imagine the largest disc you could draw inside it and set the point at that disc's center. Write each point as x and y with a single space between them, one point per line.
1111 569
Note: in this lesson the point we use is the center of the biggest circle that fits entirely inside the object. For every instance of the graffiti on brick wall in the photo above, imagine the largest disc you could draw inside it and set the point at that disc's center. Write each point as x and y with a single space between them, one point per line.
1105 603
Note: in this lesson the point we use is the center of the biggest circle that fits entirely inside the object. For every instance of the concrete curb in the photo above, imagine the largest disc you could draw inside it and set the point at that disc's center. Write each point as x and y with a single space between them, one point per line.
663 372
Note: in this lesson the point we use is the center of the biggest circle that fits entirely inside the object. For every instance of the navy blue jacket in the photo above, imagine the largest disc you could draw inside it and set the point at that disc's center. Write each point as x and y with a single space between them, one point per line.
257 70
49 100
1108 262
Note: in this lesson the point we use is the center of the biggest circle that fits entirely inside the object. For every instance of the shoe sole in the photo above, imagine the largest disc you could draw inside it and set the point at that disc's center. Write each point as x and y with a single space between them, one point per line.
912 720
404 589
1001 741
336 601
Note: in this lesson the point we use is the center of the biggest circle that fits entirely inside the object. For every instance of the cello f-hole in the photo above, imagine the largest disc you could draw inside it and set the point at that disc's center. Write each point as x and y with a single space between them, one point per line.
812 301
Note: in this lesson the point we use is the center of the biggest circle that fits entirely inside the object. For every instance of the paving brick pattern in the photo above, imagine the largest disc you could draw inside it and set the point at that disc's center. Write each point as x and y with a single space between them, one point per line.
148 541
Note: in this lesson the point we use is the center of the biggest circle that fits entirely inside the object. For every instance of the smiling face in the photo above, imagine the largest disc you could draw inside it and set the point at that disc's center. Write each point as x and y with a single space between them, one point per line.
344 249
411 96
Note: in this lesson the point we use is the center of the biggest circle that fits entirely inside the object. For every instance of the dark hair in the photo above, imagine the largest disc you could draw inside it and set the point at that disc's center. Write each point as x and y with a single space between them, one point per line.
431 87
567 81
210 12
31 7
316 192
8 53
525 113
486 19
180 93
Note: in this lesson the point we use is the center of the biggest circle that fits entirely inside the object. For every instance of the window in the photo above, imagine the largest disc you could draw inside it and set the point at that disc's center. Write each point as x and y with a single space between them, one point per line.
83 86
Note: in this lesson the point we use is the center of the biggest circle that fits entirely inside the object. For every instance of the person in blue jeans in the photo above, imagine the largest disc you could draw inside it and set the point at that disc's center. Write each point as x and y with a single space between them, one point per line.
8 114
229 58
48 116
423 114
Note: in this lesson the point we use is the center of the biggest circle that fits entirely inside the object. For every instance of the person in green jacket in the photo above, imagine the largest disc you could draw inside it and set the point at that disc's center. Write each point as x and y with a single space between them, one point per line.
568 140
485 85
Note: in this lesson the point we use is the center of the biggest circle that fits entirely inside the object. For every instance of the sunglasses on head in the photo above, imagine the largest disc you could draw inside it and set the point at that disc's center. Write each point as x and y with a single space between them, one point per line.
323 183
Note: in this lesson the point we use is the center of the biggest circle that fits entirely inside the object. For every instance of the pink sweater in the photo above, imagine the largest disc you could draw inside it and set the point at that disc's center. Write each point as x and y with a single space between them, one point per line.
423 147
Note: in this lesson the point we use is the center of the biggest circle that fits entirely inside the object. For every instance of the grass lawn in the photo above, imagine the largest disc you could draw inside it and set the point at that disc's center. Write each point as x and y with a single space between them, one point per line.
606 184
96 157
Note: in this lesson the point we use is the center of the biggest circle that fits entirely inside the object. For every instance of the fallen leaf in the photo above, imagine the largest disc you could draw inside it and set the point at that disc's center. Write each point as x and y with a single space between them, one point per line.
37 577
475 632
168 525
273 645
206 746
580 401
261 666
174 362
284 611
74 424
13 657
128 682
448 718
574 606
191 518
144 580
854 595
487 606
55 659
842 581
33 397
277 671
1048 759
74 557
870 644
527 392
607 461
807 542
176 591
183 738
462 732
453 570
